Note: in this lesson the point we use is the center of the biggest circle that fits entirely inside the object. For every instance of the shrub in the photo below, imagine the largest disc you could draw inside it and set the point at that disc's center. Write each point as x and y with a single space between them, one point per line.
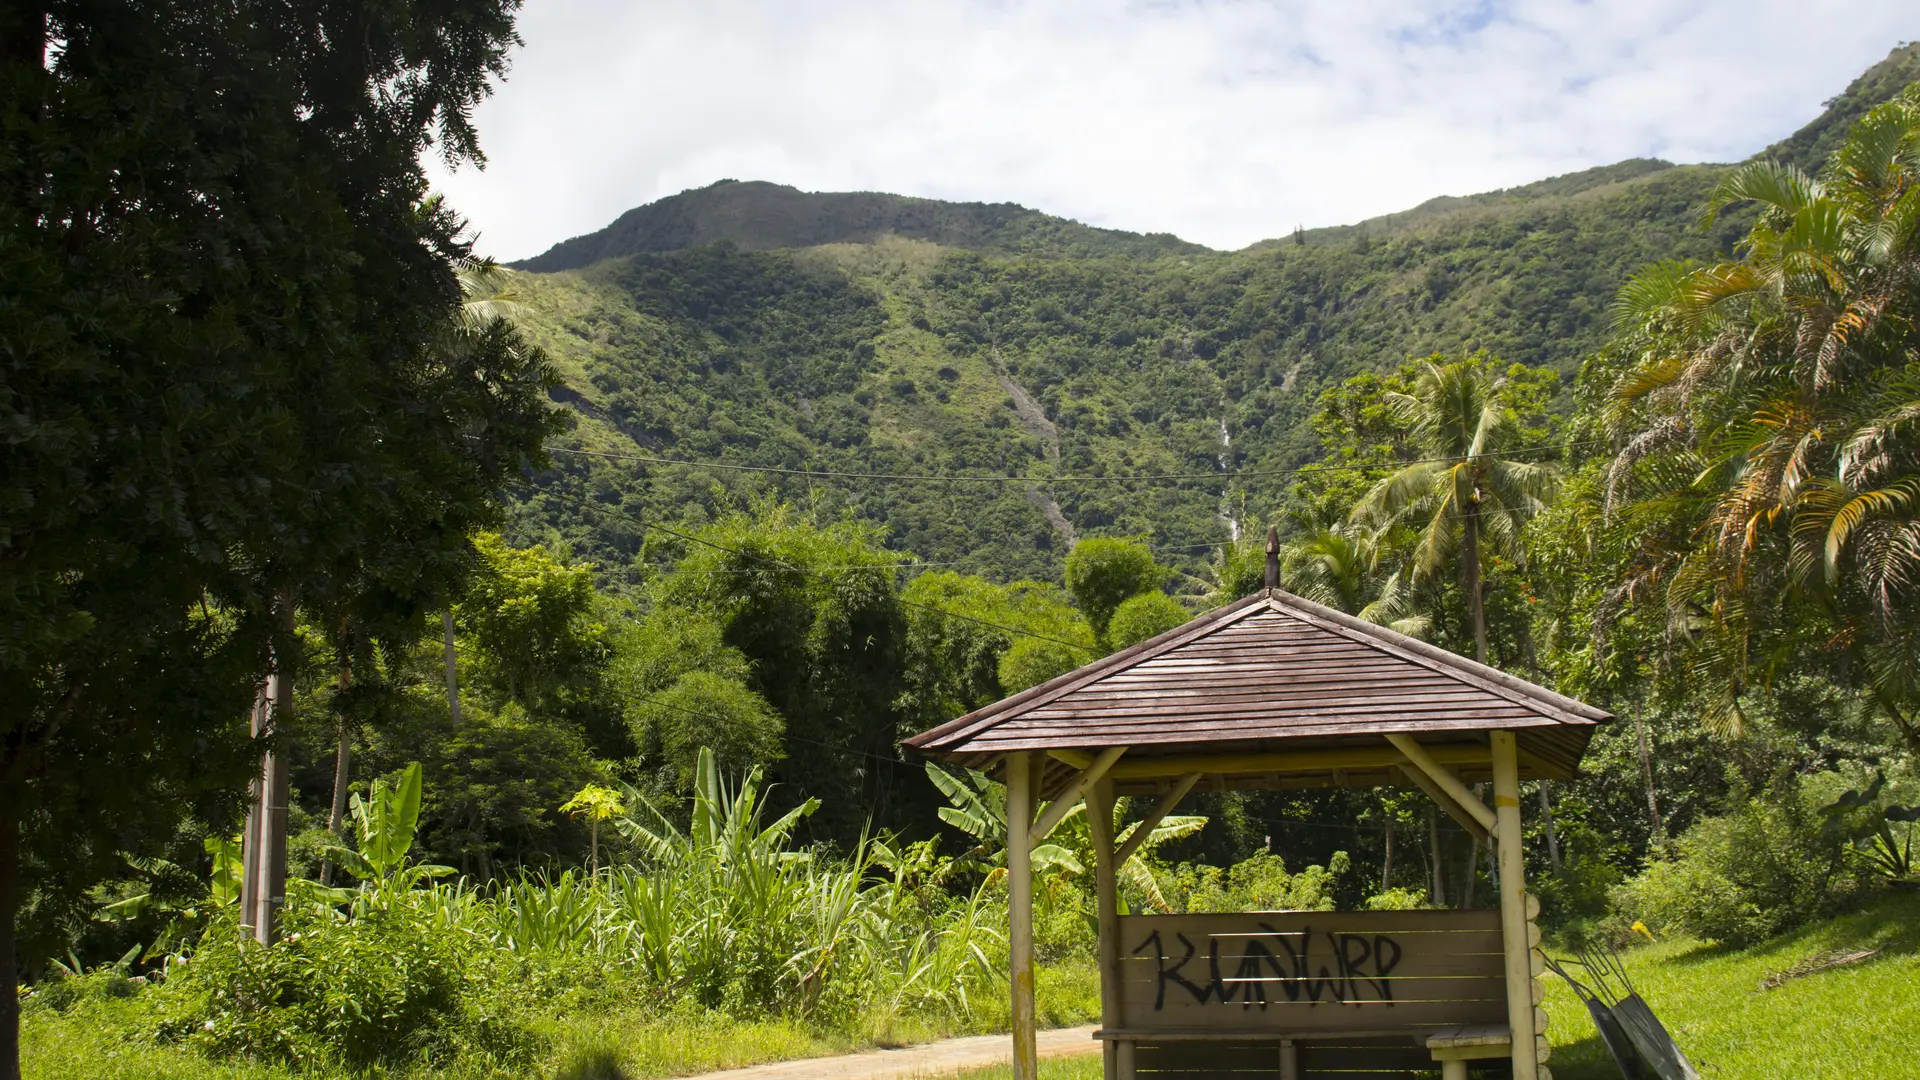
1261 883
1576 896
1758 871
1141 617
380 987
1397 900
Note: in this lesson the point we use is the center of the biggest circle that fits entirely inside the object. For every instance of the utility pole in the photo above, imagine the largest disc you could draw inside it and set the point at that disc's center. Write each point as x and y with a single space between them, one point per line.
265 843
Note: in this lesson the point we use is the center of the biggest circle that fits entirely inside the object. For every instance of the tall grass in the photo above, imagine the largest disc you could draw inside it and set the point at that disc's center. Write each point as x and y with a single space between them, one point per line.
720 912
728 912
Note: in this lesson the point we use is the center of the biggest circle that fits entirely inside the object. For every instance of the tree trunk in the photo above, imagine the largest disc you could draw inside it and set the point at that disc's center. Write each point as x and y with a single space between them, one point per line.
1386 865
1646 772
250 838
1546 819
1470 578
593 852
453 671
342 766
9 908
1439 897
270 863
1470 877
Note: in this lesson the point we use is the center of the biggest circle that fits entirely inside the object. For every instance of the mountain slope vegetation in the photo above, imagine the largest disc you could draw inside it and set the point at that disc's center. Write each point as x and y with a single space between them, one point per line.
749 324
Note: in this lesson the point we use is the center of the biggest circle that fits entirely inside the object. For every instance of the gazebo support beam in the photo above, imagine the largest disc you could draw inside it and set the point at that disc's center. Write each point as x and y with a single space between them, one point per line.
1424 761
1057 810
1020 770
1152 821
1514 928
1106 893
1444 801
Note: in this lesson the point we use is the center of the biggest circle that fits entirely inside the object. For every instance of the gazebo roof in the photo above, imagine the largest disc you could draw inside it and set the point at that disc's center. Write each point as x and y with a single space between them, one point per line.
1273 691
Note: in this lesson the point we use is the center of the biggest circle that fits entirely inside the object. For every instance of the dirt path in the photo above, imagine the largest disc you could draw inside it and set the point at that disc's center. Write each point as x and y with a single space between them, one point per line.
944 1058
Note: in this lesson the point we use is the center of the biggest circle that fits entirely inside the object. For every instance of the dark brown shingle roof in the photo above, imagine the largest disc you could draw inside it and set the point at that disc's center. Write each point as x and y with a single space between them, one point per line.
1274 673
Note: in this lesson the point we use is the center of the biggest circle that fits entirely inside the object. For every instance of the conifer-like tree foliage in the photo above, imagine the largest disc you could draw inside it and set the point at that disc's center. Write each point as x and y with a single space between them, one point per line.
233 378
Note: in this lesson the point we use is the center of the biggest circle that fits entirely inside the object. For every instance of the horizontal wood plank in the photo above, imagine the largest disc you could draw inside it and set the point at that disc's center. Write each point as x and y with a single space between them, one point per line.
1316 971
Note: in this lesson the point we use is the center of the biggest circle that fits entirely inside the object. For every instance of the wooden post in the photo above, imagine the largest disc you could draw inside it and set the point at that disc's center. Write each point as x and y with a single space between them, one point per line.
1514 925
1106 892
1026 1048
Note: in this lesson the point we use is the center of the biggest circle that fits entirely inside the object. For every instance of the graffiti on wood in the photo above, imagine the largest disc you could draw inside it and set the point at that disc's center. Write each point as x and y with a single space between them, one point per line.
1299 965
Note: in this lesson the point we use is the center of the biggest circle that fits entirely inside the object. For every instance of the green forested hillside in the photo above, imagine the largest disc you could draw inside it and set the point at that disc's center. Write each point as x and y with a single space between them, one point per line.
756 325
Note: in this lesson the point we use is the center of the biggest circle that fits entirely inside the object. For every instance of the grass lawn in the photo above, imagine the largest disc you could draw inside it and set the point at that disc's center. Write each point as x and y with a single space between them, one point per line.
1860 1022
109 1040
1855 1022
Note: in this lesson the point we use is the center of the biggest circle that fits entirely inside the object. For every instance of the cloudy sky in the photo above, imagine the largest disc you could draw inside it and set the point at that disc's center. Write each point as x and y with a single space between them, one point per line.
1224 121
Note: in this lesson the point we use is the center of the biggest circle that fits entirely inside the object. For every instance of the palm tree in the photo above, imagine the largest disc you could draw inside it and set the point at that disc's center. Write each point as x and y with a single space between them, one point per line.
1341 566
1463 497
1772 403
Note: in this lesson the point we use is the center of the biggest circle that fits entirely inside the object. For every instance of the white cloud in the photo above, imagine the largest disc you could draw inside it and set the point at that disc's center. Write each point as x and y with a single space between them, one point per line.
1224 121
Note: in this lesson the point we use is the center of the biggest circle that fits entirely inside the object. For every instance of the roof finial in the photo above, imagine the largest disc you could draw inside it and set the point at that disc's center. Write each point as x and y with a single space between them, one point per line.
1273 557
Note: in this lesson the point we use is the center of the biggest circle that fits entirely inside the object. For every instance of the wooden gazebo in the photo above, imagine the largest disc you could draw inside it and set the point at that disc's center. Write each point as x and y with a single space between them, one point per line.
1277 692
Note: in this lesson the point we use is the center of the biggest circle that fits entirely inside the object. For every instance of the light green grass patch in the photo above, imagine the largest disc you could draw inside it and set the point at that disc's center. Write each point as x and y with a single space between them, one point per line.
1851 1022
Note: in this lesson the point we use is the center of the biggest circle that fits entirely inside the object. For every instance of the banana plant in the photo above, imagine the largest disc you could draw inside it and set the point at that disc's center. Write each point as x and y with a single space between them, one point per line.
384 825
228 869
1857 817
980 810
1136 874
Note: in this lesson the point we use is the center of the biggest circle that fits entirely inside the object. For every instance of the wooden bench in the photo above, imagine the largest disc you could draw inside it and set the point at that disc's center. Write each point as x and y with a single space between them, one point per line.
1308 994
1454 1047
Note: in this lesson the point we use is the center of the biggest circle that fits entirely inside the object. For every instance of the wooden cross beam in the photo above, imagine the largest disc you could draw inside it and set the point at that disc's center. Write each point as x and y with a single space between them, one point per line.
1057 810
1152 820
1424 762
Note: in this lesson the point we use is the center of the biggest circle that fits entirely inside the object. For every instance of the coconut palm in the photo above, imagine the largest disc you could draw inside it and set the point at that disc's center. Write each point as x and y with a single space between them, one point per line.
1463 498
1345 568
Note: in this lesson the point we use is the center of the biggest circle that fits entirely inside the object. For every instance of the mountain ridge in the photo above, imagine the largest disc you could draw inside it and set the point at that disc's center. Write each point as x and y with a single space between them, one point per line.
758 215
1030 347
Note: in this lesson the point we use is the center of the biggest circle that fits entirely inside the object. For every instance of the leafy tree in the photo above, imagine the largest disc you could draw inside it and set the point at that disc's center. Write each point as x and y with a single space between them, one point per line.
704 711
492 787
225 303
817 612
973 642
1462 495
530 619
1143 616
1104 572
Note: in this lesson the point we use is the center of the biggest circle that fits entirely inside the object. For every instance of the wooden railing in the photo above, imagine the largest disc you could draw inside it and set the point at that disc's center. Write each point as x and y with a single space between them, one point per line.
1304 993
